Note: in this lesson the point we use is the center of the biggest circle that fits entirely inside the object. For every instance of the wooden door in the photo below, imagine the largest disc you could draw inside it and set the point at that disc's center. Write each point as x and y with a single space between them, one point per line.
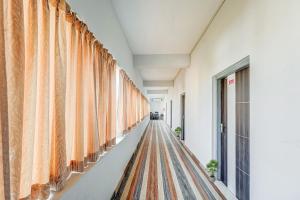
223 131
183 116
242 135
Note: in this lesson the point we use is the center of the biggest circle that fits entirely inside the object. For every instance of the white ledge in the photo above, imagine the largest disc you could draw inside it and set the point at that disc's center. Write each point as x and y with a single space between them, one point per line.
100 180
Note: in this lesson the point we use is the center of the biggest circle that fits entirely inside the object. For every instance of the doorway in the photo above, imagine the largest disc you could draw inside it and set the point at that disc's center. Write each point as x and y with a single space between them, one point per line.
171 113
232 109
182 117
223 131
166 112
242 134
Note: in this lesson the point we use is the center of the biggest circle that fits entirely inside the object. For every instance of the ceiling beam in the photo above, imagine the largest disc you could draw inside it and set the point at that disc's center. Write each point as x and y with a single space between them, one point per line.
158 83
162 61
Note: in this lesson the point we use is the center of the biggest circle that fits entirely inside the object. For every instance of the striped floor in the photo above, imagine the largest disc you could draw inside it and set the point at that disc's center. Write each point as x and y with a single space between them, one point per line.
161 168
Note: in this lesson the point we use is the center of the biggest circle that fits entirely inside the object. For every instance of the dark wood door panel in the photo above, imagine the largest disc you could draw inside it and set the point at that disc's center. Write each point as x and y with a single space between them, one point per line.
224 131
242 134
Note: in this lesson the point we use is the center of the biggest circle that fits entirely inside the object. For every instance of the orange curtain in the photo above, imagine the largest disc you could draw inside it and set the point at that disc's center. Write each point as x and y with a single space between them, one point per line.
132 106
111 107
99 82
92 129
131 110
57 97
70 84
128 97
103 97
30 89
85 92
77 161
11 95
120 111
4 193
58 170
12 64
41 159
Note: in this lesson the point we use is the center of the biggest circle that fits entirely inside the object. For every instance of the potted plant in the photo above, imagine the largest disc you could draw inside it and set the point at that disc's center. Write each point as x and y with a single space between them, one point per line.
178 131
212 168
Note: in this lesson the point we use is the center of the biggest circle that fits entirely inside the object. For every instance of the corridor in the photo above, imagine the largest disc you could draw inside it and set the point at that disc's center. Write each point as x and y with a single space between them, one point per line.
153 100
161 168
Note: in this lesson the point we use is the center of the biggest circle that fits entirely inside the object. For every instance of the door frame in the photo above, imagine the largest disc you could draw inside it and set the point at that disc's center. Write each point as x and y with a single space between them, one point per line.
223 130
182 115
166 110
171 113
216 128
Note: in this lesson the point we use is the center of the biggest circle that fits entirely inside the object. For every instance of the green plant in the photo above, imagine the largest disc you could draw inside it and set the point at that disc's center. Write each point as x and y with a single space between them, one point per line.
212 167
178 131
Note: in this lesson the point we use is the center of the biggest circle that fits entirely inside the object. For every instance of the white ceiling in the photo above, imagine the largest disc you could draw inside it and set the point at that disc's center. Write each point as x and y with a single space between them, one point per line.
164 26
158 74
160 33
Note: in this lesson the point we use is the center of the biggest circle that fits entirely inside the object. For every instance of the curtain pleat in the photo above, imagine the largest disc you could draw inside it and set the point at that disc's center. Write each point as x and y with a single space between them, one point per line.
41 158
124 102
30 89
77 162
92 131
14 66
140 103
120 108
103 95
85 91
130 105
99 91
70 85
58 170
111 104
4 126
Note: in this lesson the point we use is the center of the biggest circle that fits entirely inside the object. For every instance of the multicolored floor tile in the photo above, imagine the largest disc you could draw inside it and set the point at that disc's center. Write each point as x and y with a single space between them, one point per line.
162 168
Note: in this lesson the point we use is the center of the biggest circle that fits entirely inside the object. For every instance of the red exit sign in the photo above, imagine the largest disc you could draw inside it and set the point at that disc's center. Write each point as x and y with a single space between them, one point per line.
231 81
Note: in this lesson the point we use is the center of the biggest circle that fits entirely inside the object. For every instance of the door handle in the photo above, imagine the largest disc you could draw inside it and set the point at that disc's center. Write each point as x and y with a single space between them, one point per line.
221 128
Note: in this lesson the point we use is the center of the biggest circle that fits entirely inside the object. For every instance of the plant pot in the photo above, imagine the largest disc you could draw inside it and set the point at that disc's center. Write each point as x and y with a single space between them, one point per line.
212 178
177 135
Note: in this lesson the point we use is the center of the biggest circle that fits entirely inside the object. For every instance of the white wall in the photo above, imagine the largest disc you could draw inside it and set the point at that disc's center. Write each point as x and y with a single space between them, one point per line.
174 94
268 31
102 179
101 19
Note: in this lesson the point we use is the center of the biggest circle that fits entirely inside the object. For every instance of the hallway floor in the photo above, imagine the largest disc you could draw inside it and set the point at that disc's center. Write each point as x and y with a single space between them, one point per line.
161 168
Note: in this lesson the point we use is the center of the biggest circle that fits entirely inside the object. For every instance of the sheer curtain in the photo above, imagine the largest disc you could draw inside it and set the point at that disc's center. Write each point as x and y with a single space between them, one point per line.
35 146
70 84
58 171
57 97
99 93
102 104
91 113
111 112
13 60
132 106
4 118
